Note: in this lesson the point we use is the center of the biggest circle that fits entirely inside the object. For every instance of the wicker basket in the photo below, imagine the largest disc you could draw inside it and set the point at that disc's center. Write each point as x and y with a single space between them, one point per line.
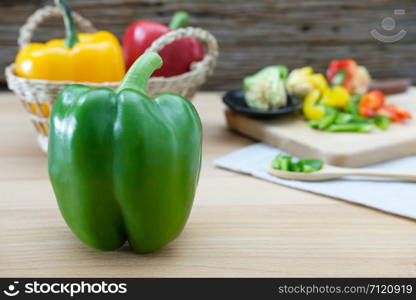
38 96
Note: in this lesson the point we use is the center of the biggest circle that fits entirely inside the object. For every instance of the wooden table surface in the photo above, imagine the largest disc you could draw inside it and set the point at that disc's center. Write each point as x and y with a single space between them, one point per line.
239 227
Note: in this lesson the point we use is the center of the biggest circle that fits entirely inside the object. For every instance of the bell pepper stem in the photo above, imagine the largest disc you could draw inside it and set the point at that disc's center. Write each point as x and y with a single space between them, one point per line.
140 72
180 19
71 33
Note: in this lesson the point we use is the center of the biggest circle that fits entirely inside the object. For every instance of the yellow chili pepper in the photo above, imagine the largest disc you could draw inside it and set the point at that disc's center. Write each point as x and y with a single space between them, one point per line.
311 109
87 57
338 96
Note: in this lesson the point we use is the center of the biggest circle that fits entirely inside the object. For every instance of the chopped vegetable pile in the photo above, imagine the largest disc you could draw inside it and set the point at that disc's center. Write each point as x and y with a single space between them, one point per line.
345 105
337 102
286 163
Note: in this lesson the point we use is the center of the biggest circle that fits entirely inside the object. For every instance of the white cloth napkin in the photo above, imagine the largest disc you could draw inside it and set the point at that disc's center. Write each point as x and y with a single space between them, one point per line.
391 196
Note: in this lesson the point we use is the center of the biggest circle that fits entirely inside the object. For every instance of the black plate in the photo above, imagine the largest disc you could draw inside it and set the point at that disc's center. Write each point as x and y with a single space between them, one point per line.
236 101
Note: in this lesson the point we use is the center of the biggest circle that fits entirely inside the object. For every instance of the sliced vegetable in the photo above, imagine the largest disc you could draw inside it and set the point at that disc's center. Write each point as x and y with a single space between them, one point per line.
329 118
311 109
348 65
382 122
336 109
338 96
310 165
352 105
351 127
371 103
343 118
348 73
394 113
303 80
282 162
286 163
314 124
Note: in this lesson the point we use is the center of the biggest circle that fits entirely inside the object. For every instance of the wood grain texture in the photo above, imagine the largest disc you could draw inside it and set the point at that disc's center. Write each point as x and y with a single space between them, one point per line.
239 226
252 34
292 134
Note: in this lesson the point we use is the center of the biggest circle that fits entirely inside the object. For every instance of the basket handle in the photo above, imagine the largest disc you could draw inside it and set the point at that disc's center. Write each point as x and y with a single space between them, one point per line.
202 35
40 15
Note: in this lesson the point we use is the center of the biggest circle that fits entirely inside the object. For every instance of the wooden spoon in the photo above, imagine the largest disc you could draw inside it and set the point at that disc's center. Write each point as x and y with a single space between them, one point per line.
332 172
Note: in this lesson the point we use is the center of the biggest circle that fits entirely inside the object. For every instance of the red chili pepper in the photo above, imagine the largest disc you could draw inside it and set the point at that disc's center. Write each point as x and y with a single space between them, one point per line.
371 103
177 57
348 65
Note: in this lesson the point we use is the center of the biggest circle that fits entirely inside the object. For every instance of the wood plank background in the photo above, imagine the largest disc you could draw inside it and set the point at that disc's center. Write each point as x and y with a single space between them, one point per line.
252 34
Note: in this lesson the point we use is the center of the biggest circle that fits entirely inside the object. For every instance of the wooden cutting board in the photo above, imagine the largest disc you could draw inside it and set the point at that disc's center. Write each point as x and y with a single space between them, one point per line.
292 134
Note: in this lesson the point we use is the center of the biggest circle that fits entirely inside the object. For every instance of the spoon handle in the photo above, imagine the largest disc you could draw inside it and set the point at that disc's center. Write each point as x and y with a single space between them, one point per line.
408 176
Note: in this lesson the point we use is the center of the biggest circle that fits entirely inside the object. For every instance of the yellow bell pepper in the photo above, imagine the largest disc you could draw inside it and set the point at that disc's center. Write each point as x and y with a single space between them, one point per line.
87 57
311 109
318 82
338 96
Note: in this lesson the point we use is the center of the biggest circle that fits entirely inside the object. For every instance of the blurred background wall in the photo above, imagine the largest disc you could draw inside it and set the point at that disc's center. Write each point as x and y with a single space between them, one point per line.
253 34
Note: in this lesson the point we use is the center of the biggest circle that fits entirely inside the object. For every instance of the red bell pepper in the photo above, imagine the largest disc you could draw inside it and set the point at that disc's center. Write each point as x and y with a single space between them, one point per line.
394 113
177 57
347 67
373 104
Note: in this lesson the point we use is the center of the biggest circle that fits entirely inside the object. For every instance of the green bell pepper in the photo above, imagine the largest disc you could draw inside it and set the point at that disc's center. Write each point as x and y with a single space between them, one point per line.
124 167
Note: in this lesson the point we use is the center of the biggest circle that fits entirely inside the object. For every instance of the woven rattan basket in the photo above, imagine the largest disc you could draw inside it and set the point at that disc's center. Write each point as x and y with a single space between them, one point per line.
38 96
